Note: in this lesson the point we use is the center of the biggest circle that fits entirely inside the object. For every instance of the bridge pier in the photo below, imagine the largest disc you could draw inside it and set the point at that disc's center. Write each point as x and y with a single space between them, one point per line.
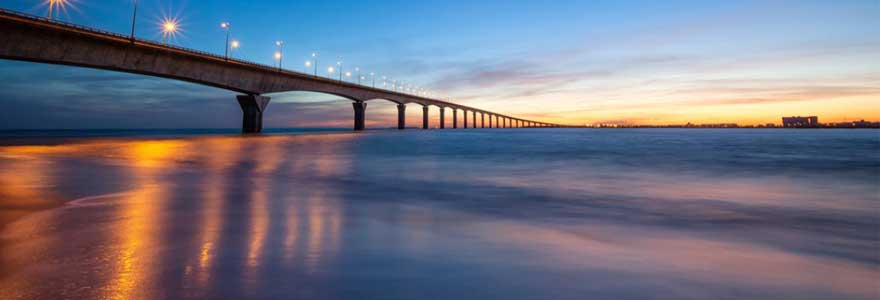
360 109
425 117
401 116
482 120
464 118
474 118
455 118
252 107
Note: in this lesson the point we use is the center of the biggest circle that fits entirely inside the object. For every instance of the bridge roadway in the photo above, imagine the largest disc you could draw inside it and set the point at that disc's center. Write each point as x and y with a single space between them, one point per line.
30 38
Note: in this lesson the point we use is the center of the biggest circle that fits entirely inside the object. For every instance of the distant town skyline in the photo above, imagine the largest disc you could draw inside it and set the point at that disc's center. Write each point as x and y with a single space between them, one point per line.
571 62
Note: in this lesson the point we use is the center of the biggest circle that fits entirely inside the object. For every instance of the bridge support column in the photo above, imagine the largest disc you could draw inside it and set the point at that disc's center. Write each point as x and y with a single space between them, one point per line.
425 117
401 116
464 119
474 118
455 118
252 107
442 117
482 120
360 109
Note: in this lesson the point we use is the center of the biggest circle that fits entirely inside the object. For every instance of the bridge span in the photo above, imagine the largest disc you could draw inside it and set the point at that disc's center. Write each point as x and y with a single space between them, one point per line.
29 38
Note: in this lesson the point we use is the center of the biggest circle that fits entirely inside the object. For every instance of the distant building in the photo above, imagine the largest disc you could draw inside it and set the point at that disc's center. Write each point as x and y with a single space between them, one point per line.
800 122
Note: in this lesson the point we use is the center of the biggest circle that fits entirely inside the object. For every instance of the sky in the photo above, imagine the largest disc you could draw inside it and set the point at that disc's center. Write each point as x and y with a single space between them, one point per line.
570 62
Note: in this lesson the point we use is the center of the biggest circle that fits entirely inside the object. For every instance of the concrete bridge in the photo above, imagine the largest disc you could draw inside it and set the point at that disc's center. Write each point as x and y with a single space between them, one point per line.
30 38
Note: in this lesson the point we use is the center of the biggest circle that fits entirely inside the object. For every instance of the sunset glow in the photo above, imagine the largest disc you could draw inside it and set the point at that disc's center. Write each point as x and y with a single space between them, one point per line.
626 63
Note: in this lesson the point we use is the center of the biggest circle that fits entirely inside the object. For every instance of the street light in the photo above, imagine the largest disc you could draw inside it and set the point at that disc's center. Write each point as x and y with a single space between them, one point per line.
384 82
55 5
134 19
280 55
315 62
348 75
169 29
339 66
234 44
358 70
373 78
227 27
331 70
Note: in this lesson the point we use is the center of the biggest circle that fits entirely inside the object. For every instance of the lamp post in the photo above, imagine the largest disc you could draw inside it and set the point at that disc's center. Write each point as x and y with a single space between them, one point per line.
358 71
280 55
339 66
226 26
330 71
134 19
315 61
373 78
385 82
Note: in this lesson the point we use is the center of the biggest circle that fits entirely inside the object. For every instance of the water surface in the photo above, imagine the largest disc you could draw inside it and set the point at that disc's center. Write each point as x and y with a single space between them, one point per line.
464 214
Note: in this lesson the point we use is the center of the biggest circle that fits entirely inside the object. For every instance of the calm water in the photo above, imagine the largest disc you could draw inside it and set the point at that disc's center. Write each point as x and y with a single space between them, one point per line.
466 214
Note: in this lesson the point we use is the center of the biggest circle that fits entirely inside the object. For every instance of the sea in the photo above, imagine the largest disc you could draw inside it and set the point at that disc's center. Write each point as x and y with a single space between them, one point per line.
441 214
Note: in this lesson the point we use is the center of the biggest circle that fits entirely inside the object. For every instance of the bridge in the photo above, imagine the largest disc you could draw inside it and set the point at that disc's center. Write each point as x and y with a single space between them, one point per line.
35 39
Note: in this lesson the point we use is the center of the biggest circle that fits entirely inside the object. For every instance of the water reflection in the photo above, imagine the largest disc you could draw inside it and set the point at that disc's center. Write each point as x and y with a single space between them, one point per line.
399 217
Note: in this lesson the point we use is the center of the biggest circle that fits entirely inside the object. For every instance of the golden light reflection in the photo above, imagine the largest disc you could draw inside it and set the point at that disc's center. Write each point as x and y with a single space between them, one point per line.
154 154
141 211
324 221
26 183
218 152
268 156
292 233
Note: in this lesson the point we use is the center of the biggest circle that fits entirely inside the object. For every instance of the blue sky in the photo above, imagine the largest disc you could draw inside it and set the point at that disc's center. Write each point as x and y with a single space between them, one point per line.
573 62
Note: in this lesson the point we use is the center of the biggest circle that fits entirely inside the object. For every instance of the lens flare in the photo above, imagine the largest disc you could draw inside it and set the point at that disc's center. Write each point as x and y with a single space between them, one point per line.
56 6
170 28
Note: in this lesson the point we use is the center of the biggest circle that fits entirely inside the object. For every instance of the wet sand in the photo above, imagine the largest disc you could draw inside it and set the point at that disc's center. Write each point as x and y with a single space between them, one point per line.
519 214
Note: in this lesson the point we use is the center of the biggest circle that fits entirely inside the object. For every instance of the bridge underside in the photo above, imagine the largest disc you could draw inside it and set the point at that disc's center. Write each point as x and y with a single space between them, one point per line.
27 38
